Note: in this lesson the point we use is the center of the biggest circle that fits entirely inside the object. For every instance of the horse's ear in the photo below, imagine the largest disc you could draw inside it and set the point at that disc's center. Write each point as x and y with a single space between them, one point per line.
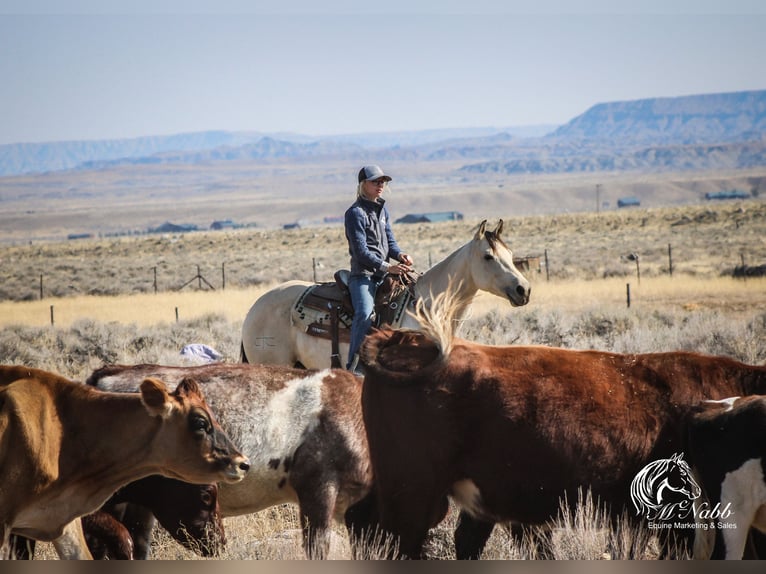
499 228
480 233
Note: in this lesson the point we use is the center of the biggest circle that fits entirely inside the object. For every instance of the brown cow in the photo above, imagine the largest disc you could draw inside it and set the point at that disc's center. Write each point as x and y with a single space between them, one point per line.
727 448
66 447
508 431
302 430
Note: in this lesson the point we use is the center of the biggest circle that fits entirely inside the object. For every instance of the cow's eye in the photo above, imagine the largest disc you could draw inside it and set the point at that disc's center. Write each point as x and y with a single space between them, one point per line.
199 424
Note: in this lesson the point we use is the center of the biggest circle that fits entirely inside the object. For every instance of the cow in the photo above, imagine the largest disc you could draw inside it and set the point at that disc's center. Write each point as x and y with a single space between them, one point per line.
122 528
507 431
65 448
189 512
302 430
726 445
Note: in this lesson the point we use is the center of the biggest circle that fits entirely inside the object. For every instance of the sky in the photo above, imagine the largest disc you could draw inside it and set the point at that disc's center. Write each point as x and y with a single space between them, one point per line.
111 69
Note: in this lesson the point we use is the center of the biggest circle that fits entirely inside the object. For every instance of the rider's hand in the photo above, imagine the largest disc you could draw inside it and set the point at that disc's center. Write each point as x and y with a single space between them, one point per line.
398 268
406 259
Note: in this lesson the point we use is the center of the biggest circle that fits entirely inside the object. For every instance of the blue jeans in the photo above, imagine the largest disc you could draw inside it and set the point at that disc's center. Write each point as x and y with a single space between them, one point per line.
362 289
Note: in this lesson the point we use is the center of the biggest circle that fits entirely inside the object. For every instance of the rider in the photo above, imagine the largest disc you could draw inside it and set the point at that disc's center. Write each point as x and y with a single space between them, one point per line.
370 243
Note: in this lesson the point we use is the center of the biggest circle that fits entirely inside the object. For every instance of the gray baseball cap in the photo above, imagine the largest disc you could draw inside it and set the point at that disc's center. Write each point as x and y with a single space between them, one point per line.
371 172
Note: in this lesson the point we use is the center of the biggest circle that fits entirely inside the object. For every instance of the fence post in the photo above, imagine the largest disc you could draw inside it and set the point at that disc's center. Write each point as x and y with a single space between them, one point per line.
547 277
176 314
51 315
628 285
670 260
155 279
223 276
744 269
41 286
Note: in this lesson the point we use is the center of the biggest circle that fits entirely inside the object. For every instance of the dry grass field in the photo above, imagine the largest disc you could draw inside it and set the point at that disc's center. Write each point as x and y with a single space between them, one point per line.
106 310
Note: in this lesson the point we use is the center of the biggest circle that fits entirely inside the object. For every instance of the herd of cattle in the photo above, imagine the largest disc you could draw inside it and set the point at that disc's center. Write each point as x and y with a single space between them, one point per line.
504 431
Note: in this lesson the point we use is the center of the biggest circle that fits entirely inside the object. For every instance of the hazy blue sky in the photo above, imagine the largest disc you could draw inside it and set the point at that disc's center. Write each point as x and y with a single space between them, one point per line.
100 69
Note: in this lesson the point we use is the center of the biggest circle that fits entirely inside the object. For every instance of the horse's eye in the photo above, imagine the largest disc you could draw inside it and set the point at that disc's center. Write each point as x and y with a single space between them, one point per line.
489 257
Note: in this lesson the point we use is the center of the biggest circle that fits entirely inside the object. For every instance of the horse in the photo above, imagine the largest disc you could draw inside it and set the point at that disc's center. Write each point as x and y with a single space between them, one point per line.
485 263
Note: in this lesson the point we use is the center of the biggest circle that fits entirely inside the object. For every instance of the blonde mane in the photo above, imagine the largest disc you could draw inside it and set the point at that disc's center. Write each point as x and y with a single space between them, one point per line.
438 319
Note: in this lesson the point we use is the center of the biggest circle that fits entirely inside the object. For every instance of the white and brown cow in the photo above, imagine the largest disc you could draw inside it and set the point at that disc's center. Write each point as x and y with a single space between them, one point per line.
302 430
727 449
508 431
65 448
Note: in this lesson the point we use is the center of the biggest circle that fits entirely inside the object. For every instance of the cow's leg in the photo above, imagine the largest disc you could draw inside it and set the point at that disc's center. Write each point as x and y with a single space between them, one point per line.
107 537
471 536
5 542
22 548
140 522
362 524
317 506
71 544
409 515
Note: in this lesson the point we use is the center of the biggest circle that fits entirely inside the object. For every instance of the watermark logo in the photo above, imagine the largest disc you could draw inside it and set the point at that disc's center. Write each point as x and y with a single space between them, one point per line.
665 489
667 495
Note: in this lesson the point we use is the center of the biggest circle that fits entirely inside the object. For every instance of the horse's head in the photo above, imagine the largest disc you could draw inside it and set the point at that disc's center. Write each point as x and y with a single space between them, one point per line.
493 269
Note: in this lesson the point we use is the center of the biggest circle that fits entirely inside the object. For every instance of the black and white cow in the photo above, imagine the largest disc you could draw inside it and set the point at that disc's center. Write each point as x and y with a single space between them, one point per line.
727 448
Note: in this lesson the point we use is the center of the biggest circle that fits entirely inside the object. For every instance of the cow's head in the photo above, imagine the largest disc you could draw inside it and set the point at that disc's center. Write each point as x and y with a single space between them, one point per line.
190 512
198 450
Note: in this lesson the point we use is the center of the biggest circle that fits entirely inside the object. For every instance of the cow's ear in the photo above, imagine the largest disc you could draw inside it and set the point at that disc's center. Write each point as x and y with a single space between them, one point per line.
188 387
480 233
155 397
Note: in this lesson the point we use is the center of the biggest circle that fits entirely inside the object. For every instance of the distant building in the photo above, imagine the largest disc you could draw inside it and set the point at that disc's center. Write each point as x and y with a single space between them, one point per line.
628 202
729 194
432 217
168 227
294 225
79 236
222 224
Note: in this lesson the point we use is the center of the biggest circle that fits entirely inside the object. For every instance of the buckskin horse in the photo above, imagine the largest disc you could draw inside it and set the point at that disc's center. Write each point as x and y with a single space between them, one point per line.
274 330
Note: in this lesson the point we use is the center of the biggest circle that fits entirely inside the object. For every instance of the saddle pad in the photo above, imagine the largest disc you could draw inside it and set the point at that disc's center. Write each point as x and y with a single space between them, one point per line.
316 322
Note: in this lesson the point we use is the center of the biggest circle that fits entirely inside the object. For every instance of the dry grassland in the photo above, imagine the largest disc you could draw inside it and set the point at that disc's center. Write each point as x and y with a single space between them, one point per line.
106 311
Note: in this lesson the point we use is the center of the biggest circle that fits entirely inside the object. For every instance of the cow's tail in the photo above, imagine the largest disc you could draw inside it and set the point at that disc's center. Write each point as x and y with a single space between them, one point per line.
242 355
400 357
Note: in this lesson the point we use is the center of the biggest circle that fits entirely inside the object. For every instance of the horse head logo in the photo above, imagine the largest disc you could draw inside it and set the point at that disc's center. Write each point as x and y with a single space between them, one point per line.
661 485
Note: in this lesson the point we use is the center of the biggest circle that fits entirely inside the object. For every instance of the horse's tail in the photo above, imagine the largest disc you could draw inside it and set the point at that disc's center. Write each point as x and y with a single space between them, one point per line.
242 355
